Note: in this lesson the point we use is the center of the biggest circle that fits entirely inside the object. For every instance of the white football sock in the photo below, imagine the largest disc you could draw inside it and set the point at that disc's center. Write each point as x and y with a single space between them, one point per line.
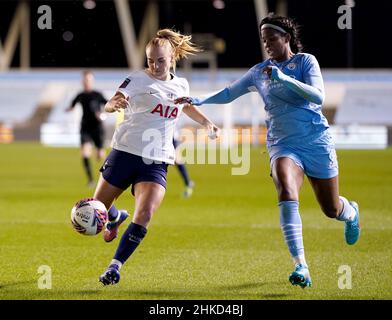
300 260
348 212
117 263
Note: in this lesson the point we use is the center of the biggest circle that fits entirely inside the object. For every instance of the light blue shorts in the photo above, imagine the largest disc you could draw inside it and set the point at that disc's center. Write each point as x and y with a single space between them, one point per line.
317 160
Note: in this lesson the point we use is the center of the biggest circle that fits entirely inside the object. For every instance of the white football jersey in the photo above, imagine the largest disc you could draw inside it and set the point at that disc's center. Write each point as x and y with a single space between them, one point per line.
150 118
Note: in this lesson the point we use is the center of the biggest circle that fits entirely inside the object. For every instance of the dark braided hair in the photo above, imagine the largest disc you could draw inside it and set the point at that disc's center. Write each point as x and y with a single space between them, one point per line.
287 24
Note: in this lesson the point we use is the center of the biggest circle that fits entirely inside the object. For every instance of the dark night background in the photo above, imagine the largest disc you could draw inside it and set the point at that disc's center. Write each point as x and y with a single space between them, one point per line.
97 40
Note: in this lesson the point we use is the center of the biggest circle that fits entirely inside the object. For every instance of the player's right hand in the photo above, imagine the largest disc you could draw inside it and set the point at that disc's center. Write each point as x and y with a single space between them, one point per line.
117 103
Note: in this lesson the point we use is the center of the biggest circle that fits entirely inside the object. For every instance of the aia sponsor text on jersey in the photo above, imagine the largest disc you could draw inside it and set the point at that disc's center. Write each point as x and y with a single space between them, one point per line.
166 111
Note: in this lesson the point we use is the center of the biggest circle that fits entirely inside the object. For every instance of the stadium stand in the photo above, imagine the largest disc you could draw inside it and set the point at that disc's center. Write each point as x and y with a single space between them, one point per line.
32 104
18 101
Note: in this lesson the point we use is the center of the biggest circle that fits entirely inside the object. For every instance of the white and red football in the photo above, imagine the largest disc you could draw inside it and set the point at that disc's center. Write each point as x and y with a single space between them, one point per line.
89 216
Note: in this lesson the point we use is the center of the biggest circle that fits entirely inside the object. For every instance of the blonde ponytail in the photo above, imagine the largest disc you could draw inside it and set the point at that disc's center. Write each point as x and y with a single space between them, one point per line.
181 44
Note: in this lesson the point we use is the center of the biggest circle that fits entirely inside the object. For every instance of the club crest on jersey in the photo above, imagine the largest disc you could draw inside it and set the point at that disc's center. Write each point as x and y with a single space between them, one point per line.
166 112
291 66
171 96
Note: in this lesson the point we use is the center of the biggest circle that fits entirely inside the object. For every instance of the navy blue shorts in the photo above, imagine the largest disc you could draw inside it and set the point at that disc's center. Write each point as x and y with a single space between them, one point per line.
122 169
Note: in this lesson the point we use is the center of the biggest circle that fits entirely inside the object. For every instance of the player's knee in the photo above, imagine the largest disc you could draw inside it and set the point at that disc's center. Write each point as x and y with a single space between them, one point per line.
86 153
144 215
287 194
330 211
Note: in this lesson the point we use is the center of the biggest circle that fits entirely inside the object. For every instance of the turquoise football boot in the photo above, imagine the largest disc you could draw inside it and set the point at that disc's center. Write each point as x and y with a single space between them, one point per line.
301 276
352 229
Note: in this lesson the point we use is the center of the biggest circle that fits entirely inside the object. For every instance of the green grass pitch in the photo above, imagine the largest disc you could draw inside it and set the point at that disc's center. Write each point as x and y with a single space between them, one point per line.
222 243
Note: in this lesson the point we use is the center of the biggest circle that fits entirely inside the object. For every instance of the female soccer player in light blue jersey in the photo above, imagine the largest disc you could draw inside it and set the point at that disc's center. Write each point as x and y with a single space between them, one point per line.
298 139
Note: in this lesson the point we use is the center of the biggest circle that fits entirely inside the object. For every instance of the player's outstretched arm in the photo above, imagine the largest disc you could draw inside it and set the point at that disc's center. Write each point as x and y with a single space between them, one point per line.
116 103
73 103
196 115
226 95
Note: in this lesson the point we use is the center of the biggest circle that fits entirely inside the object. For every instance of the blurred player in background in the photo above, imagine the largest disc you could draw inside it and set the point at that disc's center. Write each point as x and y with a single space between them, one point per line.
91 127
143 142
182 169
298 139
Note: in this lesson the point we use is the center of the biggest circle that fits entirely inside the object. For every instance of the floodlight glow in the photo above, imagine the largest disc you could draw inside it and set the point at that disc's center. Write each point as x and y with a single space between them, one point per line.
89 4
218 4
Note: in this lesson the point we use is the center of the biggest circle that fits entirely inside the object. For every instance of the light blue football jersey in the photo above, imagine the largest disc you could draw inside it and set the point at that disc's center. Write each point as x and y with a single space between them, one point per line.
290 119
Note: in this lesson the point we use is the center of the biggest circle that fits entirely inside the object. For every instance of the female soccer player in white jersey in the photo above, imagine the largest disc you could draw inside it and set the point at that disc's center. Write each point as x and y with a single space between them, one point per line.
143 142
298 140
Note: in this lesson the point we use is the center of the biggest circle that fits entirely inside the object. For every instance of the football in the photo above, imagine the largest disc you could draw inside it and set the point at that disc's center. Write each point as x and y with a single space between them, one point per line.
88 216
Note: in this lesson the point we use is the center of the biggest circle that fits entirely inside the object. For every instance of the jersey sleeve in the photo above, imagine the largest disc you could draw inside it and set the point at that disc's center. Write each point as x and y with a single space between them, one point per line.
102 99
238 88
311 87
127 86
312 73
75 100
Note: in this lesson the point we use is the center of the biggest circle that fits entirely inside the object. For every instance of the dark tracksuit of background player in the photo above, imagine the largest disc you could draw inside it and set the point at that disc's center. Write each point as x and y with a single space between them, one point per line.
91 128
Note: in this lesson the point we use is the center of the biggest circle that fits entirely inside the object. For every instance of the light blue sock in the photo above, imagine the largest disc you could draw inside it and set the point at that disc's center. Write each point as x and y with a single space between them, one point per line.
291 225
348 212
